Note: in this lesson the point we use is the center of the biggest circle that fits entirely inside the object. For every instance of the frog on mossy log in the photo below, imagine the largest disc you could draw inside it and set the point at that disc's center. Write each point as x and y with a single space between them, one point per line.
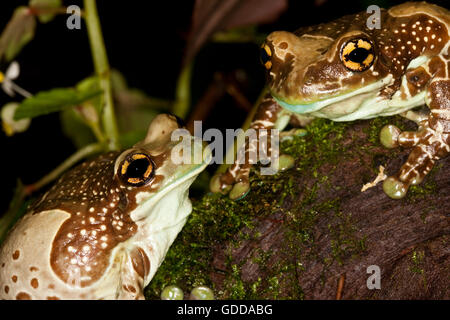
344 71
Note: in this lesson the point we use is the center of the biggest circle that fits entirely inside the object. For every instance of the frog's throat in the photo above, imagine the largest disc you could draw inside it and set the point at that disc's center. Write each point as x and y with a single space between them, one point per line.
311 107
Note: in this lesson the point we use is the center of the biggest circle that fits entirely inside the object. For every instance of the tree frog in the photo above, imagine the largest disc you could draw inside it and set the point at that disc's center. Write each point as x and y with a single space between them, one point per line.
103 229
344 71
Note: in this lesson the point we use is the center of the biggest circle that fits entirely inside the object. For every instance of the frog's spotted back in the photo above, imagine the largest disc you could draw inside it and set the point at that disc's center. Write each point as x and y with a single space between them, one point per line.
99 219
310 58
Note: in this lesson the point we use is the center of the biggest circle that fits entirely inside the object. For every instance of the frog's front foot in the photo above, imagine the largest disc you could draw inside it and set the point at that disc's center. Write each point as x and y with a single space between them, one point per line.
235 181
429 145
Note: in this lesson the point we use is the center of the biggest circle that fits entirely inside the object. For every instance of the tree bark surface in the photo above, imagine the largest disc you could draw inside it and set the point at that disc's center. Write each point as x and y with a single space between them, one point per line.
320 240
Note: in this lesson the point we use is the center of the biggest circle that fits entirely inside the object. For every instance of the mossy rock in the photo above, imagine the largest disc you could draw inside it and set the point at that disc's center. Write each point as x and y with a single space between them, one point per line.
300 232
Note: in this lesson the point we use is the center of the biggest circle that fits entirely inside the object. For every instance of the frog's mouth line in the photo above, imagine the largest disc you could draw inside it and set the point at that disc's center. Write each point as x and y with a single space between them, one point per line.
311 107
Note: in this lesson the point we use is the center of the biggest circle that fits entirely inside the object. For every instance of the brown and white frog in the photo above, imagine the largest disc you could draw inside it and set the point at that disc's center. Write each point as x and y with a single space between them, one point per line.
344 71
104 228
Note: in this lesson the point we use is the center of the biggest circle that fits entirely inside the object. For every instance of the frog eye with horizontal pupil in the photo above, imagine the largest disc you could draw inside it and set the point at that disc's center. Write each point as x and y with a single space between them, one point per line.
137 169
358 55
265 56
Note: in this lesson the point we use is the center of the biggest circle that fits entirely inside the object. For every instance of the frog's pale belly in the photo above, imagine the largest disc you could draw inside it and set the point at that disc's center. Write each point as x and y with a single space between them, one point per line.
25 270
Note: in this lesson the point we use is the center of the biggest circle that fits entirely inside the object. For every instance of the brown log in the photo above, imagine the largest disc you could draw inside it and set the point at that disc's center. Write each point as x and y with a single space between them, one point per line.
319 242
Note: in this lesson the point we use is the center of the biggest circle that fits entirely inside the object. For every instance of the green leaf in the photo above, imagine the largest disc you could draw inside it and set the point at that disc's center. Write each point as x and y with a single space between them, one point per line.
52 101
129 139
17 33
76 129
44 9
91 84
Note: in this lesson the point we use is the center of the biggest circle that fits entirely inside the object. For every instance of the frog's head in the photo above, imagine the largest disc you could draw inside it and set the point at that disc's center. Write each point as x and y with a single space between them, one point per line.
155 167
316 66
135 199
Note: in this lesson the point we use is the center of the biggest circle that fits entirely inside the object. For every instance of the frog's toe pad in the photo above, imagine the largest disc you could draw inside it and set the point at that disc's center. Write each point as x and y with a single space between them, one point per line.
394 188
389 136
216 186
286 162
239 191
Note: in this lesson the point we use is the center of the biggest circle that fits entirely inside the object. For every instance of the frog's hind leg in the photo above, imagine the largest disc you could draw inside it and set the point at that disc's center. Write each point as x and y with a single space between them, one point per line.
431 142
420 162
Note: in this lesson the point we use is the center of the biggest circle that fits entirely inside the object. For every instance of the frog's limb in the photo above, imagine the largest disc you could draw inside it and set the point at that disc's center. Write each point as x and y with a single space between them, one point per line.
431 142
235 180
416 116
131 278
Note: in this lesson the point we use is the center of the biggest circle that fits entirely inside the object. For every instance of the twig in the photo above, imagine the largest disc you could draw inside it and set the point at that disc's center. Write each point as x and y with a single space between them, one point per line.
340 287
103 72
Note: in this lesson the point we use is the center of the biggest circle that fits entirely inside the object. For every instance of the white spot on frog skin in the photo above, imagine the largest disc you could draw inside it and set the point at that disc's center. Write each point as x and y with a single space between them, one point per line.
142 196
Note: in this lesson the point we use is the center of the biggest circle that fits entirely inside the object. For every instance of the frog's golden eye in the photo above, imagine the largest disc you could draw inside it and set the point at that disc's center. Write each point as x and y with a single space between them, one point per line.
137 169
265 55
358 55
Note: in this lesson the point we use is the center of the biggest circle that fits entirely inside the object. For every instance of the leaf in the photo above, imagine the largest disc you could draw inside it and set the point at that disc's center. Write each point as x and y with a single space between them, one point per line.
91 84
18 32
44 9
52 101
134 108
128 139
210 16
76 129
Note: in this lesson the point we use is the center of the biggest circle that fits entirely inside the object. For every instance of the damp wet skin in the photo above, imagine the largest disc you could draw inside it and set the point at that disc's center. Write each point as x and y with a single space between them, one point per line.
344 71
103 229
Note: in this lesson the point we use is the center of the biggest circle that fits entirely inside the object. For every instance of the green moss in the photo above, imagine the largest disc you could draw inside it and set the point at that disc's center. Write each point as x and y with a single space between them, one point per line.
417 265
345 243
215 220
417 258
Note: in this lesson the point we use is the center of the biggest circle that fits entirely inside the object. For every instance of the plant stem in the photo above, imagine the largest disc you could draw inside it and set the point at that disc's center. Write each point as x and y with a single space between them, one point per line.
183 91
69 162
103 72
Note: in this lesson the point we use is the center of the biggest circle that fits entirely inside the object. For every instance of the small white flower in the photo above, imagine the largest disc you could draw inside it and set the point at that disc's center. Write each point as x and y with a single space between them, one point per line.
11 126
7 83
